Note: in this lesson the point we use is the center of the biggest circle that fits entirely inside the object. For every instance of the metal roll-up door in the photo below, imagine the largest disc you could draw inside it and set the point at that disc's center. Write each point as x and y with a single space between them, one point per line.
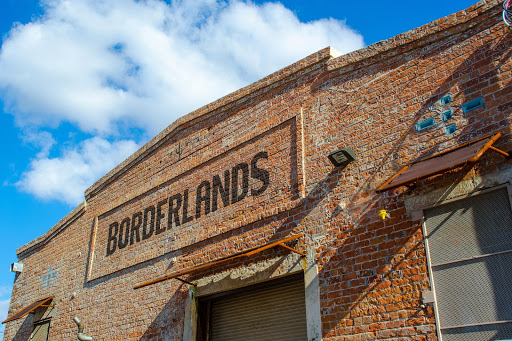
470 249
274 310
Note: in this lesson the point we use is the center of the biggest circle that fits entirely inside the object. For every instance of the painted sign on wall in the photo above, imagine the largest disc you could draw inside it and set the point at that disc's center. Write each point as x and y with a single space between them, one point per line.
222 191
226 189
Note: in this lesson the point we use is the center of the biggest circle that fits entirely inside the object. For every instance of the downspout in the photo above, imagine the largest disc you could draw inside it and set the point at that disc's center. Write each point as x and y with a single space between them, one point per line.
80 334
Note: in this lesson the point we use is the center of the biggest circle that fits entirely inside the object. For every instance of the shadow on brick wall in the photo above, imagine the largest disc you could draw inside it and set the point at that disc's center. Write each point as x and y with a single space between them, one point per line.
25 330
165 326
168 325
374 271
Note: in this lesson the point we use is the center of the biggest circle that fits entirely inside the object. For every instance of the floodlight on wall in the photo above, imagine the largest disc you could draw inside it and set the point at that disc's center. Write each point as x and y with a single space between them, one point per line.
342 157
16 267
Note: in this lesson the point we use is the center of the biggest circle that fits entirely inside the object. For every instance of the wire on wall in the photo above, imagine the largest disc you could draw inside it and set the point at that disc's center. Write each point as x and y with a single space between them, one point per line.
507 12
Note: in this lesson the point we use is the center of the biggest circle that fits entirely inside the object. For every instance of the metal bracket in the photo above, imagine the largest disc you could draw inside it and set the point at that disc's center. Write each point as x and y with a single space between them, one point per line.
499 151
184 281
292 249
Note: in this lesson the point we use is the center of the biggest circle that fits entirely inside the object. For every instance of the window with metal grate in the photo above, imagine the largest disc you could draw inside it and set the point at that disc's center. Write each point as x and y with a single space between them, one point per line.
469 243
41 330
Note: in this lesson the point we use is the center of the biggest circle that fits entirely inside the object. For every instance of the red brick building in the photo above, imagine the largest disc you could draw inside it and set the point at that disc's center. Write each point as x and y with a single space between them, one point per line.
233 223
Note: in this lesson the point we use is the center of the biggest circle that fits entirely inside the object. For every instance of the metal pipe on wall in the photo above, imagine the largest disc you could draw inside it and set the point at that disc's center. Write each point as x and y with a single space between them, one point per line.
80 335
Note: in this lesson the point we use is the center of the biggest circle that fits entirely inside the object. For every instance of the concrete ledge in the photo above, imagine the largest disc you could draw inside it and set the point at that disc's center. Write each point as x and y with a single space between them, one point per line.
258 272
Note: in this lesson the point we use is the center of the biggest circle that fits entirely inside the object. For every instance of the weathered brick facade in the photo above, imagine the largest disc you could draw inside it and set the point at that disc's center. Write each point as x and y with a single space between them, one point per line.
273 137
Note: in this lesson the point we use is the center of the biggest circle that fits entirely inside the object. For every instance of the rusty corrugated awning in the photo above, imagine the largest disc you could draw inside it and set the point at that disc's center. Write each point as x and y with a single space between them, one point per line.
207 265
28 309
438 163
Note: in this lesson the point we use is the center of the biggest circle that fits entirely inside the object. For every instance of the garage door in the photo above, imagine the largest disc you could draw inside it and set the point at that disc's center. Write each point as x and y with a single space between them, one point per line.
273 310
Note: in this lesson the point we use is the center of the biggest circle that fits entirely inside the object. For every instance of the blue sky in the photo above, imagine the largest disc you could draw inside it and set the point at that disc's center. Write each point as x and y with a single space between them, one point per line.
84 83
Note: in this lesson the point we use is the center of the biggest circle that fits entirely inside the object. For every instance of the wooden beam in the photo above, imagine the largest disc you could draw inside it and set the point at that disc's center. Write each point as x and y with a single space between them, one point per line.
207 265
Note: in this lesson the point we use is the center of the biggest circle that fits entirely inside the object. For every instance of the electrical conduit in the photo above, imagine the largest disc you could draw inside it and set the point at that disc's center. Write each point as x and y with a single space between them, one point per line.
80 334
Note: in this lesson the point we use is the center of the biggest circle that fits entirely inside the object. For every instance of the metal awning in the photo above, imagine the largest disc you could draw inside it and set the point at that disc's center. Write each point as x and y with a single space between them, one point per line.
207 265
29 308
441 162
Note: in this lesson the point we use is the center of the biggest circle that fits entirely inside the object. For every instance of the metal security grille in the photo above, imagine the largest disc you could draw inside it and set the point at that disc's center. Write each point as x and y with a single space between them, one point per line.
273 310
470 248
41 331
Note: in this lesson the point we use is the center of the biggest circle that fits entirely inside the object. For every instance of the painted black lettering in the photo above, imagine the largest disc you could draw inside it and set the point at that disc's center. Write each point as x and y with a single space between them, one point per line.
244 169
124 233
174 208
203 196
259 174
235 187
135 233
218 188
113 230
185 218
148 226
159 228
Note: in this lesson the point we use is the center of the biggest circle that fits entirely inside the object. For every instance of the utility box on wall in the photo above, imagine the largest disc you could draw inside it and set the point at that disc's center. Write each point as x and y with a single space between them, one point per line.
16 267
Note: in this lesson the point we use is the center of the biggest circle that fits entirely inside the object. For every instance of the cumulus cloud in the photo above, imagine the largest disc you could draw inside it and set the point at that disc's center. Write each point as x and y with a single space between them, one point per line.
96 63
67 177
111 66
42 140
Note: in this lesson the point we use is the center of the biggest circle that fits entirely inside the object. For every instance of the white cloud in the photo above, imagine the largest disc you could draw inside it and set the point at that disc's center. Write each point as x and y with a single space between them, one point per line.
4 309
108 66
40 139
66 178
4 305
96 63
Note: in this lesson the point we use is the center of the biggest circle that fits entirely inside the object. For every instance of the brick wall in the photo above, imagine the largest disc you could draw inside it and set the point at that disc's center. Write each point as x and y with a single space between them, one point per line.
375 271
372 272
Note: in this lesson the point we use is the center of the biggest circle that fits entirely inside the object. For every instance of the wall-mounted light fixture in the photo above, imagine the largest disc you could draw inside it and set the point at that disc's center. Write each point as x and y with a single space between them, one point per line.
16 267
342 157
